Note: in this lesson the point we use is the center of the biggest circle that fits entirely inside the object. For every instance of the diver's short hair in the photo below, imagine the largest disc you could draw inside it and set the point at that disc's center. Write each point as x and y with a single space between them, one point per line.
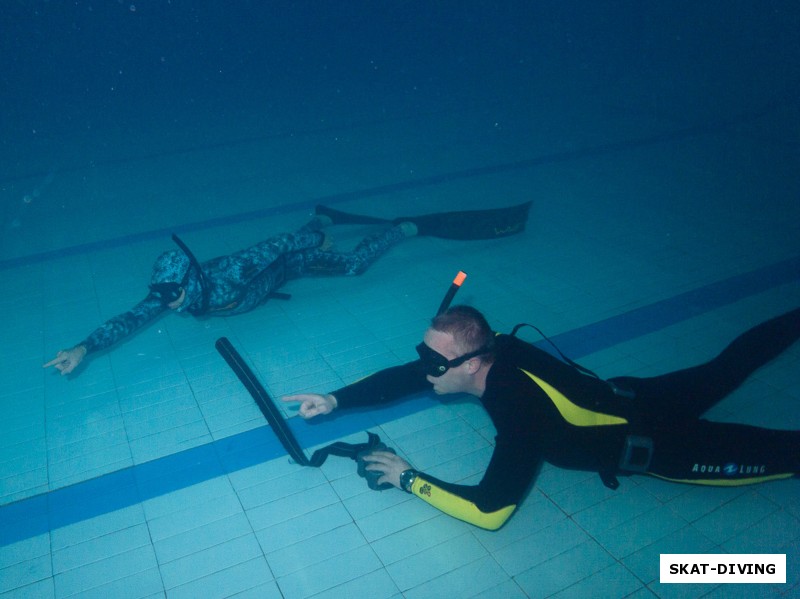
469 328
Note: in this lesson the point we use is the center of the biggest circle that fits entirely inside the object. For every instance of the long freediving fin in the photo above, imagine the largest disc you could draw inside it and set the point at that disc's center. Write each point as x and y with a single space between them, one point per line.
463 224
472 224
280 426
339 217
263 400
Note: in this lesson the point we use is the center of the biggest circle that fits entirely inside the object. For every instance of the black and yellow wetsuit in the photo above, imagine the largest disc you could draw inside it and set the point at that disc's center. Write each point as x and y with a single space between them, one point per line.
546 410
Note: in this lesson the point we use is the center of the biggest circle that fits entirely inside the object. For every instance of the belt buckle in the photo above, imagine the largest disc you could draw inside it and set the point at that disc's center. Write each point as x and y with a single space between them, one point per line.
636 454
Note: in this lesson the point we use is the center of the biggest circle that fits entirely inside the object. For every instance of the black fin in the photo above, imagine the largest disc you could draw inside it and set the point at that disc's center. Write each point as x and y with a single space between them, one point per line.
465 224
472 224
347 218
263 400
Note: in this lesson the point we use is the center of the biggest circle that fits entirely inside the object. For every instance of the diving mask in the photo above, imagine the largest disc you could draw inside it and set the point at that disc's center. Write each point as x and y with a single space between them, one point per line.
166 292
170 292
435 364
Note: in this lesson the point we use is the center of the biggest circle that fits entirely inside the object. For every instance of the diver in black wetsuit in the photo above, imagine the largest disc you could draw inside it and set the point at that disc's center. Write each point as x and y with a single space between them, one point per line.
237 283
547 410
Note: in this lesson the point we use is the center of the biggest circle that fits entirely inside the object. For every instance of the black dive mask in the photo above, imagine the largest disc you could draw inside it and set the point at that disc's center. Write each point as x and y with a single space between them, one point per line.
166 292
435 364
170 292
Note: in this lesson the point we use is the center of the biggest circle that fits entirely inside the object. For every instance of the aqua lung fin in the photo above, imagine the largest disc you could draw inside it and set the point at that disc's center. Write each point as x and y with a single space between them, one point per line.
464 224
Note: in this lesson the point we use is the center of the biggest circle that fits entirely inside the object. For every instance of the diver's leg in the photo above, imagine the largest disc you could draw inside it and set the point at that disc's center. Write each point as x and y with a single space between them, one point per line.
365 253
257 257
714 453
692 391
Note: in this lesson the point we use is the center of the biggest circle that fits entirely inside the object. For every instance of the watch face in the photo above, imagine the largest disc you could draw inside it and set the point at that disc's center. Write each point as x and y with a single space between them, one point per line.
407 478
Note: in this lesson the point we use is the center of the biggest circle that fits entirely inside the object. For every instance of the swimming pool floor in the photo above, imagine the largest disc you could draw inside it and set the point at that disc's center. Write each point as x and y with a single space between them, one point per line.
152 472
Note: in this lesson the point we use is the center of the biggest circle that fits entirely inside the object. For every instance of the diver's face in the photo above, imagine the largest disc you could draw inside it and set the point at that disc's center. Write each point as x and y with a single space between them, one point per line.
178 302
457 379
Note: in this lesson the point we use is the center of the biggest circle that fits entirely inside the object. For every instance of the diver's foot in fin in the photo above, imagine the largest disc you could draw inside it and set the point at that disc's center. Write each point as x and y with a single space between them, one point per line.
407 228
428 224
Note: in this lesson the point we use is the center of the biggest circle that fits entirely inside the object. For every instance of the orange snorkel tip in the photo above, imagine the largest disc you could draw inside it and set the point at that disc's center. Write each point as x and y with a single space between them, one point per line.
454 287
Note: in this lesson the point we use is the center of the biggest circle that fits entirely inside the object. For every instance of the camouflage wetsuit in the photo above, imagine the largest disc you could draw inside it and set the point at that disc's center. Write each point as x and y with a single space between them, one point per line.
244 280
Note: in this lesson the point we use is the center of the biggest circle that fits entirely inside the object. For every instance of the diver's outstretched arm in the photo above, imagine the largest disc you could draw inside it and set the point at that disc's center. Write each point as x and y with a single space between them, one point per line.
109 333
67 360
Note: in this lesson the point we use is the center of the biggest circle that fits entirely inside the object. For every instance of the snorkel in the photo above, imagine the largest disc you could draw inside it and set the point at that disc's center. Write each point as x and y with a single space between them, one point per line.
201 277
451 293
432 362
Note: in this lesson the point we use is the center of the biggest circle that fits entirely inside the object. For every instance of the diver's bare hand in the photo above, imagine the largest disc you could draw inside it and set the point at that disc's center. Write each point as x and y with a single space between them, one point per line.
67 360
387 463
313 404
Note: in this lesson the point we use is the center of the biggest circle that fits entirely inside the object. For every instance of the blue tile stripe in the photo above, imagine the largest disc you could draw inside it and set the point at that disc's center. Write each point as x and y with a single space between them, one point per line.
49 511
647 319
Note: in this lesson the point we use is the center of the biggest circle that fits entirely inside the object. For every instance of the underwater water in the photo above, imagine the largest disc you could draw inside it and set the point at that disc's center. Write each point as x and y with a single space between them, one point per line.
659 144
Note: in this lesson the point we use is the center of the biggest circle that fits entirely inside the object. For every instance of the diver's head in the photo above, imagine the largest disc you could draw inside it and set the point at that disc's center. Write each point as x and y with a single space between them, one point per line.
457 351
469 329
170 279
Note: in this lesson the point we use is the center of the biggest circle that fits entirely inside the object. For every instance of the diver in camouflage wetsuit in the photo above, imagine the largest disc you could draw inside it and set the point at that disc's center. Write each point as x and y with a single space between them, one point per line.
234 284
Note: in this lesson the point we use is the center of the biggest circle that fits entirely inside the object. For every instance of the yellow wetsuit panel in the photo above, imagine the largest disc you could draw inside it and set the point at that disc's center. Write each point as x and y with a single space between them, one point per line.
727 482
573 413
458 507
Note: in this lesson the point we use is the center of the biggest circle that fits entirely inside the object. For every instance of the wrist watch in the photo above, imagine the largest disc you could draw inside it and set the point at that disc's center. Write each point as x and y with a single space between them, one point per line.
407 478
